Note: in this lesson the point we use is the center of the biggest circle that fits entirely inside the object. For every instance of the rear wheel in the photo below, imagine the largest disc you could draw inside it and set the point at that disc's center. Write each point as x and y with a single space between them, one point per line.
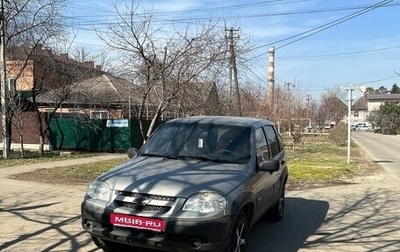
239 235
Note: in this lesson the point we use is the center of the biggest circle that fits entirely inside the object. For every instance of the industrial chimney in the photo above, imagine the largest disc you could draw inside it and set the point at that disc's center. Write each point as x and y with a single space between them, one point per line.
271 78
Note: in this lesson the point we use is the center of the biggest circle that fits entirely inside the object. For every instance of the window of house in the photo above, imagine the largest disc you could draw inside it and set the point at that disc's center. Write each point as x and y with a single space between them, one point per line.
99 115
356 114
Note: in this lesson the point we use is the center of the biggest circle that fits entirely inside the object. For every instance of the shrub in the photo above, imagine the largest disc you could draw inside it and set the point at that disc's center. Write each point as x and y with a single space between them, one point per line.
388 131
339 134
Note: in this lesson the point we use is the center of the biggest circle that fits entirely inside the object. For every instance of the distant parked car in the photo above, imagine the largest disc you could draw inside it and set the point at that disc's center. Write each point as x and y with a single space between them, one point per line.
364 128
308 128
354 127
197 184
377 130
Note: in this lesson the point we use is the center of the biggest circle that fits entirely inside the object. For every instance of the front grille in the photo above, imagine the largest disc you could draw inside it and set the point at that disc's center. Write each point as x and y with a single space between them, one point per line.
148 196
141 208
139 202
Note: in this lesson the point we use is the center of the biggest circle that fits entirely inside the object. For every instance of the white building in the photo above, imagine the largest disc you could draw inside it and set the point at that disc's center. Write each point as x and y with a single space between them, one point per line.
367 105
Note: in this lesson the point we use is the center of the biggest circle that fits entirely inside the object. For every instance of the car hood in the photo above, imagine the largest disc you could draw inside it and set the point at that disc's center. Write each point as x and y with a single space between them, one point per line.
177 178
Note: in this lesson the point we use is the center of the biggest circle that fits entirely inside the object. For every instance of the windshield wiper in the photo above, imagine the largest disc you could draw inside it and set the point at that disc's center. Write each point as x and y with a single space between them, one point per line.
203 158
154 155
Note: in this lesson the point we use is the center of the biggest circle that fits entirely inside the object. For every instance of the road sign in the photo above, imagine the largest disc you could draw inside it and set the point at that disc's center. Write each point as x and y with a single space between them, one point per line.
343 94
119 123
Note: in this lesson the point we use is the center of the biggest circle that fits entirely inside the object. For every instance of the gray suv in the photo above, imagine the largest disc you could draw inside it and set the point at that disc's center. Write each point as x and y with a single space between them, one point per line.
197 184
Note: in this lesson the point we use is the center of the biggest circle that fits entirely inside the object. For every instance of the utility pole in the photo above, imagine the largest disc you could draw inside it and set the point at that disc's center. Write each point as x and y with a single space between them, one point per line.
233 75
308 109
288 85
3 85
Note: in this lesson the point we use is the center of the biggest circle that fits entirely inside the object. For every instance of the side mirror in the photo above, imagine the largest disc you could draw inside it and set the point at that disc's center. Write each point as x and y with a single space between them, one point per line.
132 151
270 165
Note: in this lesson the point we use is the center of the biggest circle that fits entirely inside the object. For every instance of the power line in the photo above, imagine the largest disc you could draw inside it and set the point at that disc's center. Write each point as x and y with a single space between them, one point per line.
379 80
342 54
286 13
81 25
337 22
323 27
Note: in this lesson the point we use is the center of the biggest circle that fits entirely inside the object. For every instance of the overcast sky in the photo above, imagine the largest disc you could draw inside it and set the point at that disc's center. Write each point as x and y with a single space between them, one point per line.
320 44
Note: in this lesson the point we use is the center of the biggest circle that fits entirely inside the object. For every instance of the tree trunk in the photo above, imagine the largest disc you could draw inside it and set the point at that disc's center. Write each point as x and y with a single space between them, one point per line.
155 119
21 140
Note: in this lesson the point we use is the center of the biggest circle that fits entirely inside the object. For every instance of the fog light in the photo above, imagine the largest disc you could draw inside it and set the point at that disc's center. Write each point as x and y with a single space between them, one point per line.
89 226
196 243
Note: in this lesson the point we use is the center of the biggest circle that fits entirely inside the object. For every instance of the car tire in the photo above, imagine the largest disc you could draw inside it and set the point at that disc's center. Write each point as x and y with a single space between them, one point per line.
106 246
277 211
239 235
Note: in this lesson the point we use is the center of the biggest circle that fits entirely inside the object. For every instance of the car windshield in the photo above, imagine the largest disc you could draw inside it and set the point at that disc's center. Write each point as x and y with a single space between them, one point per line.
209 142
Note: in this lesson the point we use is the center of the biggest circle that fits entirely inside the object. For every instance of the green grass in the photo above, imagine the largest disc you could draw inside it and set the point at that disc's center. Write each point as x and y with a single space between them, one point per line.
84 173
325 162
90 170
15 158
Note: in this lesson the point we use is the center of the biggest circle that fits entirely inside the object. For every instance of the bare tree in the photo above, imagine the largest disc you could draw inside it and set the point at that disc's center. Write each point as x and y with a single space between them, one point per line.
102 58
331 109
32 23
167 69
292 111
55 84
253 100
29 24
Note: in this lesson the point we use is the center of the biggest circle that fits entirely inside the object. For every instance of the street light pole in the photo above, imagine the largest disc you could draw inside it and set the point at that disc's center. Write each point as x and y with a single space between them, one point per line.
349 101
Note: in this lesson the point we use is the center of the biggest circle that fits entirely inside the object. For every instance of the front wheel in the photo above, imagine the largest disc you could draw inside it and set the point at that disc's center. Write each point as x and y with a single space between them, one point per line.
239 235
276 212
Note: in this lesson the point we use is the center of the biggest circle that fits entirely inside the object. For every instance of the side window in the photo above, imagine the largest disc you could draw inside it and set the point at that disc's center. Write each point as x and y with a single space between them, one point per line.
261 146
273 140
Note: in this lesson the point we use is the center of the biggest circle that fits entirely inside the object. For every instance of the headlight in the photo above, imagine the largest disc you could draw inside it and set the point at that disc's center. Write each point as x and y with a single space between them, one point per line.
205 203
99 190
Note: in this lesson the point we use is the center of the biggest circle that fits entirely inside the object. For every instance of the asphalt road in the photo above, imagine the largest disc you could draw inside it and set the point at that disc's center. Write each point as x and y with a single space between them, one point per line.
361 216
383 149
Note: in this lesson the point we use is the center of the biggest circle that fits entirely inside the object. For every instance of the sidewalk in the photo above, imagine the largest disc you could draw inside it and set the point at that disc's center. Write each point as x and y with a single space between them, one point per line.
42 216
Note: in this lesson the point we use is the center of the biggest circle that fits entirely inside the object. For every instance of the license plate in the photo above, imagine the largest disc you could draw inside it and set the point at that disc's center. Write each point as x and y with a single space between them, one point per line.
124 220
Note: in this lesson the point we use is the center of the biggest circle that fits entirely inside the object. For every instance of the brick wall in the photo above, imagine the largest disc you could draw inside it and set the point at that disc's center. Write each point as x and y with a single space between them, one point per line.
30 130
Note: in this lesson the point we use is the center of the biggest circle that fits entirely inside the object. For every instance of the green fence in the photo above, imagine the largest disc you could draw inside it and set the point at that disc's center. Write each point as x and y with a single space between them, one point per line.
94 135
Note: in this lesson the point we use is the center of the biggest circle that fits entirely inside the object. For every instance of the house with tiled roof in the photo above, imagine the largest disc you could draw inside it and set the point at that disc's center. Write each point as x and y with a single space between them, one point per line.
367 105
101 97
375 100
60 87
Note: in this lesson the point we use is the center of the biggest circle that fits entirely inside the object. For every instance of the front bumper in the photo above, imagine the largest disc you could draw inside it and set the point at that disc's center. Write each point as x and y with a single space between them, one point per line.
180 235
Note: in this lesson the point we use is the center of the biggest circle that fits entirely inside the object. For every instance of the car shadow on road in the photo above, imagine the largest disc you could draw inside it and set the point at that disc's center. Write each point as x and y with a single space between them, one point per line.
302 219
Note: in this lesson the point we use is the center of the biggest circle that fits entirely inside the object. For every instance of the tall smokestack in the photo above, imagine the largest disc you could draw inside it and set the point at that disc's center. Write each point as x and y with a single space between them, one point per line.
271 78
